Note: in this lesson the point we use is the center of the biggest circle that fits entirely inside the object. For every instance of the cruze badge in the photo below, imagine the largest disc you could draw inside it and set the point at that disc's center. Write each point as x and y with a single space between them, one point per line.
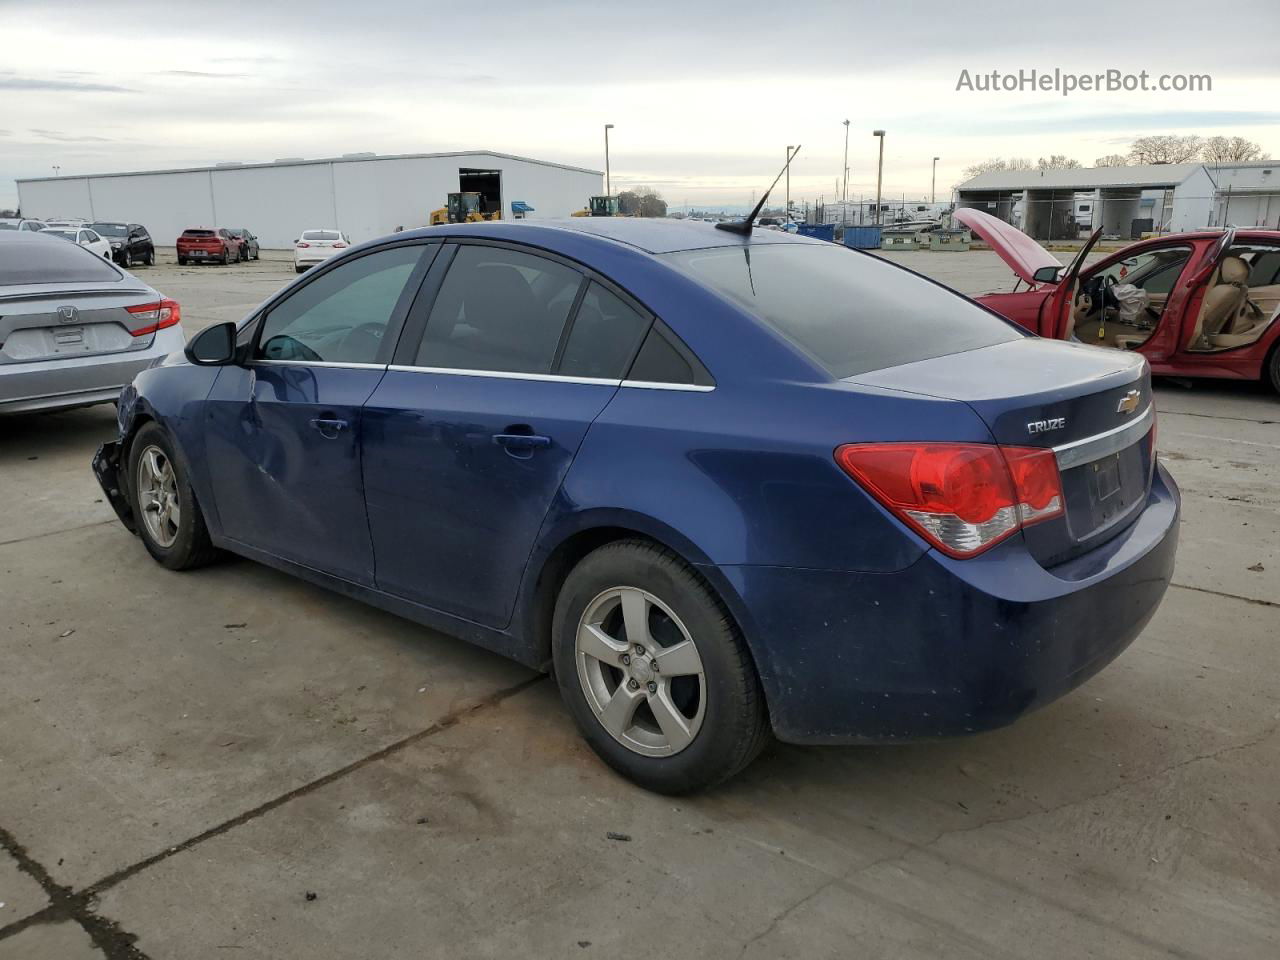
1129 402
1044 426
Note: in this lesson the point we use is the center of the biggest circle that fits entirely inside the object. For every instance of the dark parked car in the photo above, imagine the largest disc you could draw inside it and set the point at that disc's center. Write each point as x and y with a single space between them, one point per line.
130 243
725 484
249 249
207 245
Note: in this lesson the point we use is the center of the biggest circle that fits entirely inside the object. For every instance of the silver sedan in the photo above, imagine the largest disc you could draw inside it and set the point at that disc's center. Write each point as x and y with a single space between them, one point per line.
74 327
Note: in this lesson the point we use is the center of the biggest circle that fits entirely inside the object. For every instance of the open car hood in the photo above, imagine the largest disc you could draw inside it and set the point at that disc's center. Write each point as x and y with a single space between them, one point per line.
1015 248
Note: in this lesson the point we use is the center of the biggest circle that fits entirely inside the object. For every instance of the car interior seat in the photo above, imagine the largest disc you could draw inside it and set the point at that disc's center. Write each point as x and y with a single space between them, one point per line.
1226 300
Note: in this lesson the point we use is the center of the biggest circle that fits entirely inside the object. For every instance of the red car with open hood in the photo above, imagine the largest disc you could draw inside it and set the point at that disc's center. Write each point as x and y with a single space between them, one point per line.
1202 304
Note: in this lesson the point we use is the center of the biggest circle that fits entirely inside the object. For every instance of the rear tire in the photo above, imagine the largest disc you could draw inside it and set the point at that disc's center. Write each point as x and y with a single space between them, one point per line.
686 726
128 260
169 520
151 259
298 269
182 261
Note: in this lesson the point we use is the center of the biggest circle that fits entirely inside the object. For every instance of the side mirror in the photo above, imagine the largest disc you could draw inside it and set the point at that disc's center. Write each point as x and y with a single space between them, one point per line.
214 346
1046 275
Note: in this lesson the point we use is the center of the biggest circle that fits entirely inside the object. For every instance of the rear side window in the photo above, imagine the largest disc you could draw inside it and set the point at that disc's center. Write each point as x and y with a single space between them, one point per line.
342 316
663 358
851 312
606 332
51 260
499 310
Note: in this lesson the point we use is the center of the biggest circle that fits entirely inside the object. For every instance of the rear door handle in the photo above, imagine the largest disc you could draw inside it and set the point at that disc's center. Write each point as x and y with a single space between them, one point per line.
521 441
329 428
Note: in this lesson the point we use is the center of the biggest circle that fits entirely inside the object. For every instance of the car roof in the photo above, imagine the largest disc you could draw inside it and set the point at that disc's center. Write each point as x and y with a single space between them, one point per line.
650 235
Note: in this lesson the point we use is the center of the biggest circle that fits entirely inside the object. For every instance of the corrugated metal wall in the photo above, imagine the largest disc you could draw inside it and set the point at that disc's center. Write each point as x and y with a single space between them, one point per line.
363 198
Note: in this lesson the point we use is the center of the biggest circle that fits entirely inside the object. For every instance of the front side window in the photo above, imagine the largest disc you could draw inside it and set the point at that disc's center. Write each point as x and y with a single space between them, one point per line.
342 316
849 311
499 309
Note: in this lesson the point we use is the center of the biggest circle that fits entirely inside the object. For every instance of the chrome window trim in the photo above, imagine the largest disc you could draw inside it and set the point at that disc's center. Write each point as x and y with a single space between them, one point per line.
658 385
1101 444
504 375
262 361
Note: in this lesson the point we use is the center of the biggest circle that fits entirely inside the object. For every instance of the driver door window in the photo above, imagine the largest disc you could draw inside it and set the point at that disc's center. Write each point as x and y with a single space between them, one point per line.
344 314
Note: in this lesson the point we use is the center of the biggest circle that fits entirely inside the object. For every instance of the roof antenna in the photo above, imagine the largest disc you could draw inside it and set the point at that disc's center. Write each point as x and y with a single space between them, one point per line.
744 227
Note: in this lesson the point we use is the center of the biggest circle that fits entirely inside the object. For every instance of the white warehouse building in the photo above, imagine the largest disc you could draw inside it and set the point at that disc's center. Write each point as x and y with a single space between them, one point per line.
363 195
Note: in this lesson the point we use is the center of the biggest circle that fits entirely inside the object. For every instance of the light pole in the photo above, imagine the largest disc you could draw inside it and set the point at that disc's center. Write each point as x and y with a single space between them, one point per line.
843 213
933 185
608 183
790 147
57 170
879 171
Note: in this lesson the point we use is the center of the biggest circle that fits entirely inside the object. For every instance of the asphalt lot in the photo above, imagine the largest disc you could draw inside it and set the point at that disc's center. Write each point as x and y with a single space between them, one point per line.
229 762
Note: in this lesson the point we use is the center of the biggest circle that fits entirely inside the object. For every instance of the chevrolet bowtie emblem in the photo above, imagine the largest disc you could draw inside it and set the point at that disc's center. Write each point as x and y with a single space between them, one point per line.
1129 402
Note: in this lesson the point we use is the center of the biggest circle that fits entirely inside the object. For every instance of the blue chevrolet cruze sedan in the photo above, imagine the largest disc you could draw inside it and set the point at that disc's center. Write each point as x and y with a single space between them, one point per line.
723 485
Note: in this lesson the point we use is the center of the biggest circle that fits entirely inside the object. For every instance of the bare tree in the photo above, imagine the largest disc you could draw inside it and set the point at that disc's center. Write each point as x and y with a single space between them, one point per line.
996 163
642 202
1058 161
1232 150
1112 160
1167 148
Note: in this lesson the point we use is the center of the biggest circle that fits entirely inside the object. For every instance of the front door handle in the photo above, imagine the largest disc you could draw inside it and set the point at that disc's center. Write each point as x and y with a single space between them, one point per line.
329 428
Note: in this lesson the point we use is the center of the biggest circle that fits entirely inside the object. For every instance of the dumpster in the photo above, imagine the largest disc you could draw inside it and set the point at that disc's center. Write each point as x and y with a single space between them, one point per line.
898 240
949 241
862 238
823 231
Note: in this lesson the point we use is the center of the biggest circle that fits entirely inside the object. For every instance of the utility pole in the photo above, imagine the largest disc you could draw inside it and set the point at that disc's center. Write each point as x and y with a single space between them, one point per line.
608 184
879 171
933 186
57 170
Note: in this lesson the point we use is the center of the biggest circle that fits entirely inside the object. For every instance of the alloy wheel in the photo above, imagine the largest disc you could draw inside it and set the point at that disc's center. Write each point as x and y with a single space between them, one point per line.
158 496
640 672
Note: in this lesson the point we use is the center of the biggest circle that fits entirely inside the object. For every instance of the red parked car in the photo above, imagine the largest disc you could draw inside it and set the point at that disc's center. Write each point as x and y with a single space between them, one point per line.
206 244
1199 304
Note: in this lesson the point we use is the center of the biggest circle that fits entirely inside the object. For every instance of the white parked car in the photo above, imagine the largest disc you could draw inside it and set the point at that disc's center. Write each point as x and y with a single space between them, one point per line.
316 246
87 238
32 226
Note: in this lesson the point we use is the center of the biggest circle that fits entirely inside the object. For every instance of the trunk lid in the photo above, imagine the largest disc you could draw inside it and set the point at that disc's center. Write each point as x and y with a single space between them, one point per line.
71 323
1092 406
1023 255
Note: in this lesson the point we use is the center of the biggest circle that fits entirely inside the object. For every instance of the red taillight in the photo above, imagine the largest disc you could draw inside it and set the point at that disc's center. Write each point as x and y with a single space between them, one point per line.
156 316
304 245
339 246
962 497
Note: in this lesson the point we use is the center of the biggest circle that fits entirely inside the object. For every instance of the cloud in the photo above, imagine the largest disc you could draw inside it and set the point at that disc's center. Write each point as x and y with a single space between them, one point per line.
201 74
14 82
66 137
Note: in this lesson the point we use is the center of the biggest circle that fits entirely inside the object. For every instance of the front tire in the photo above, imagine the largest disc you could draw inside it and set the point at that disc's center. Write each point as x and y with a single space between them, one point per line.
1271 369
168 517
654 671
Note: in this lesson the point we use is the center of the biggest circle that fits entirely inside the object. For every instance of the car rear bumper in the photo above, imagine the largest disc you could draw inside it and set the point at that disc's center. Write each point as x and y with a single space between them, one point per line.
79 381
106 467
948 647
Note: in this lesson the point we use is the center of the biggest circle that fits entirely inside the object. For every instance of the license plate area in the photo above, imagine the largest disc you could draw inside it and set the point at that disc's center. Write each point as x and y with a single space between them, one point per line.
1106 491
65 337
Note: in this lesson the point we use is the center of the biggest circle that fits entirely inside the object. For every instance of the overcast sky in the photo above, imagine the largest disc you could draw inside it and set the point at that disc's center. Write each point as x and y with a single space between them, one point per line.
704 96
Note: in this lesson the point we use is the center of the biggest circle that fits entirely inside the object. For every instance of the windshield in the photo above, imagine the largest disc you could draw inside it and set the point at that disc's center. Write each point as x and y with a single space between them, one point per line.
851 312
44 261
111 229
60 232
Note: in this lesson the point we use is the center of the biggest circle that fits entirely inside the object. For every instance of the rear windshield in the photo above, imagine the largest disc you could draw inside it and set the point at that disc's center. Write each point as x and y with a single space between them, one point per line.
111 229
198 233
850 311
319 235
8 226
52 261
